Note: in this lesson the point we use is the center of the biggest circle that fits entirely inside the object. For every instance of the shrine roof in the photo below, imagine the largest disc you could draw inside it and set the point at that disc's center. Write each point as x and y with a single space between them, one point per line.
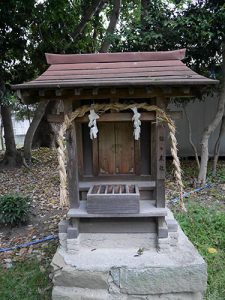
116 70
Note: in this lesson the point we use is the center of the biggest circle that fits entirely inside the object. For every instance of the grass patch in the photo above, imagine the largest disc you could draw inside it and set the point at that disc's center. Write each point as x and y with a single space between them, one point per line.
25 281
28 279
205 227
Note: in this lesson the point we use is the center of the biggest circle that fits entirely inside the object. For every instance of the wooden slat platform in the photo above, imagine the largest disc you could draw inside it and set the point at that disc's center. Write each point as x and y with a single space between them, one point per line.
146 210
142 185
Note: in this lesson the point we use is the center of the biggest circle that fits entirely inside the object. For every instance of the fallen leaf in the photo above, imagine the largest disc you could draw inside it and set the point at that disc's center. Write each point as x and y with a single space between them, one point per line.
212 250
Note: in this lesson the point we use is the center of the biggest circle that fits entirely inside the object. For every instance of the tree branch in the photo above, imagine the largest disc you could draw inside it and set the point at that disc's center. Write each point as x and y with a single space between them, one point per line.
32 128
88 14
112 25
190 137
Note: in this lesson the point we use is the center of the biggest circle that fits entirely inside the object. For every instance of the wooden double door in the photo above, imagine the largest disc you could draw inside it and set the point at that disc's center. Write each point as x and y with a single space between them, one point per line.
116 148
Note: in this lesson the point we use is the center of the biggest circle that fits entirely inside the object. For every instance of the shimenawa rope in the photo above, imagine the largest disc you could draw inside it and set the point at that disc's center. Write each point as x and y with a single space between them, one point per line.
102 108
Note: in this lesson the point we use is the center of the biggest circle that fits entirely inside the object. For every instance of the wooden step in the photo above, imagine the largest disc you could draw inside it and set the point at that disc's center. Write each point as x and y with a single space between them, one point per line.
147 209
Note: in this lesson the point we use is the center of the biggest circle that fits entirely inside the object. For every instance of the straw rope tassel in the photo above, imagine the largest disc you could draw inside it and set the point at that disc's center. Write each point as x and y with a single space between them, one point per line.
101 108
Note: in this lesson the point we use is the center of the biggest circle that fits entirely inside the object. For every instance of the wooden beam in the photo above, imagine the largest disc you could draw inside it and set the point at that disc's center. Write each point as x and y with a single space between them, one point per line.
74 94
72 164
149 90
119 117
186 90
146 210
113 117
80 149
113 91
95 92
137 157
41 93
95 157
131 91
77 92
160 158
162 228
167 90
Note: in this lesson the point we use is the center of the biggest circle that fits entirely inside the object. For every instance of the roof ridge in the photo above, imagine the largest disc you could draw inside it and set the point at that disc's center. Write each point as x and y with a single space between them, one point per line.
114 57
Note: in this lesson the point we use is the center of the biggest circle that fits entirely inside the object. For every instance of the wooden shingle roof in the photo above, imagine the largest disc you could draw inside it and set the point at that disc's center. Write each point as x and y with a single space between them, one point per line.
116 69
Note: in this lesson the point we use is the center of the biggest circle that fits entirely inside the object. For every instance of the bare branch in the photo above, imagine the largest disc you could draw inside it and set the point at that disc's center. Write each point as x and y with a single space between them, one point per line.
190 137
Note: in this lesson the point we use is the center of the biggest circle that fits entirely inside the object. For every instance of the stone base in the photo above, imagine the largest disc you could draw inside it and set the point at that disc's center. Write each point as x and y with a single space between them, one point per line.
178 273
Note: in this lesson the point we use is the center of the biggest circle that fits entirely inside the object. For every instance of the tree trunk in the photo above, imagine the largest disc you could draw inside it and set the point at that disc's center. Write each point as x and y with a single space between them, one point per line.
190 137
208 131
1 136
217 146
144 13
112 26
45 135
32 129
12 157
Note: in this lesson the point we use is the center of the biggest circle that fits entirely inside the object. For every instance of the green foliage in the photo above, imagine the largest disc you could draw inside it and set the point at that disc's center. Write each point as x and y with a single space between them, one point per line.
205 228
14 209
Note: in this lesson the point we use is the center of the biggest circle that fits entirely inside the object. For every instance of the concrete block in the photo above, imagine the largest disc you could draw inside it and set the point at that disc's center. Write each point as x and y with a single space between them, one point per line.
162 228
63 240
176 296
69 276
72 232
69 293
163 280
63 224
73 245
172 225
173 238
163 245
106 266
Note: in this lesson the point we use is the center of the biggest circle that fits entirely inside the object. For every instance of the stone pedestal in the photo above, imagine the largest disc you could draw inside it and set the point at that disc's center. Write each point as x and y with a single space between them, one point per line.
167 269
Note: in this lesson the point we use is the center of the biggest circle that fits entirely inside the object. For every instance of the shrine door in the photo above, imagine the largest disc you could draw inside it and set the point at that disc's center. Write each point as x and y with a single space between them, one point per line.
116 148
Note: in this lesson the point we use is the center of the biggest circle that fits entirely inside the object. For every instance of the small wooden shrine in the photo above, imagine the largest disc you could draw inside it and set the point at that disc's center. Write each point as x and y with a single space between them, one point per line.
116 180
116 240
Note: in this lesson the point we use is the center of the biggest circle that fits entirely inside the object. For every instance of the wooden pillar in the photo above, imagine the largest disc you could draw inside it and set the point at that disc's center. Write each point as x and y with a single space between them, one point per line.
160 156
72 160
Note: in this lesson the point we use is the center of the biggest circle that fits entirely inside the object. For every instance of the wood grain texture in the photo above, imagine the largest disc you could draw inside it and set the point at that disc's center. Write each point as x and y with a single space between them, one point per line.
111 57
72 163
80 149
160 158
194 80
118 73
124 145
114 69
147 209
118 225
143 185
107 151
119 76
115 65
120 117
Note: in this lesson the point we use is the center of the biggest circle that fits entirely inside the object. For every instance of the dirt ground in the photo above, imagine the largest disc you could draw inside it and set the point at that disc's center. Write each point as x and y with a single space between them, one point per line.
41 184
